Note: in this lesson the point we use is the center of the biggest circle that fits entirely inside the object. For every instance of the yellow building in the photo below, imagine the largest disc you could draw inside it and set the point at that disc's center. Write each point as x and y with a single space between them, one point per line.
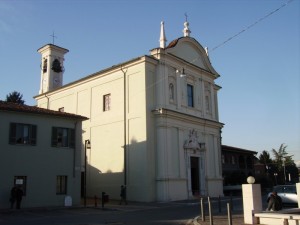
153 125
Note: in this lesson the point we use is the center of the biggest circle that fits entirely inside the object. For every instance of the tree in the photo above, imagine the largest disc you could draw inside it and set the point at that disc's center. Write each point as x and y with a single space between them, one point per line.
282 157
15 97
281 168
283 161
265 158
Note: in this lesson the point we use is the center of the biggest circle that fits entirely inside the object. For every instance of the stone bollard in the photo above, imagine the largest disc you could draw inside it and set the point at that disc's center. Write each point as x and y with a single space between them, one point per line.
251 200
211 219
220 206
229 215
96 201
202 210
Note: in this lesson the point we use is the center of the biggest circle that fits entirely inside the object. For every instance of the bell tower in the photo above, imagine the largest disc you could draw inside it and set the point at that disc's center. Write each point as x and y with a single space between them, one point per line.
52 68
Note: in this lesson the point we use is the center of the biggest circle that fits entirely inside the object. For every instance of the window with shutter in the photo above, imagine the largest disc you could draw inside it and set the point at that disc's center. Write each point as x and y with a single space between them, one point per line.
22 134
63 137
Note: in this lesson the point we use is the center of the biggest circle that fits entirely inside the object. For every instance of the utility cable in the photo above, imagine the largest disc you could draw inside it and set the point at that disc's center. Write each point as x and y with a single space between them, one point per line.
252 25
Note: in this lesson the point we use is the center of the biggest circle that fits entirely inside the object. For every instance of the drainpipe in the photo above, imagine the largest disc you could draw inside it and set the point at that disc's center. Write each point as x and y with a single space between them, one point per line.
74 151
125 127
47 101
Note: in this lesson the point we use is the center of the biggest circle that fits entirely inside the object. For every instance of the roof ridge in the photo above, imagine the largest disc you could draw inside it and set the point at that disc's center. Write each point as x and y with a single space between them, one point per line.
11 106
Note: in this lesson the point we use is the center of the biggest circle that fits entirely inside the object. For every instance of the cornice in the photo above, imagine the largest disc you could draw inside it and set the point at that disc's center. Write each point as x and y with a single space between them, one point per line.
172 114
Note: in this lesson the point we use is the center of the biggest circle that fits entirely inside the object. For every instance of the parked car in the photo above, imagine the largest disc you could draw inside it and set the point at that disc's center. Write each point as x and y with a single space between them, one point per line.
287 193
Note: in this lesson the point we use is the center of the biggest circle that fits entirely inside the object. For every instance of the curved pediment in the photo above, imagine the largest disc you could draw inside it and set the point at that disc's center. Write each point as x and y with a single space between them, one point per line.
190 50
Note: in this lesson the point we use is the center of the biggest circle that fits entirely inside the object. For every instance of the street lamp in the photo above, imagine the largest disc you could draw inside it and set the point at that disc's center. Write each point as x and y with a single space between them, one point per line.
283 160
87 145
275 175
202 144
181 72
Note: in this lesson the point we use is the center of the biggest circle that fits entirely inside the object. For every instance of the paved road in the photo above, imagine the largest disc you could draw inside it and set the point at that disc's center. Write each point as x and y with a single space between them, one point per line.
135 213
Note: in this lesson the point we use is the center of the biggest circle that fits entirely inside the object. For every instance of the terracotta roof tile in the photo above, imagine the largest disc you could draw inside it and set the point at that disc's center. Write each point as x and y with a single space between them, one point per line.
173 43
9 106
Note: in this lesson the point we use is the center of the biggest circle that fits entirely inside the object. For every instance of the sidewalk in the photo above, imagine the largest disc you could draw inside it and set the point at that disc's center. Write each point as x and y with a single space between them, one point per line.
112 205
220 214
237 219
115 205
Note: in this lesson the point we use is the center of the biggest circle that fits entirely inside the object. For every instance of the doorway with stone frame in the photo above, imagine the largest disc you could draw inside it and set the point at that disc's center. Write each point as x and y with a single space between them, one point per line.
195 165
195 175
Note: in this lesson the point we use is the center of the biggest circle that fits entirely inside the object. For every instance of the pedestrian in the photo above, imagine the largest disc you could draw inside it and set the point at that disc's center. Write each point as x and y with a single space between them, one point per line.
19 195
13 196
274 202
123 195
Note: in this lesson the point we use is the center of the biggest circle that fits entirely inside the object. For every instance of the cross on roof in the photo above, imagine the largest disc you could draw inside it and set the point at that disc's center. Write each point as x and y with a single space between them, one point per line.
53 36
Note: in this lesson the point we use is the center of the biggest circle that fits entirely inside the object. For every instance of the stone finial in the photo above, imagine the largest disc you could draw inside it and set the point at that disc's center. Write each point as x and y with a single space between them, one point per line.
186 30
206 51
162 40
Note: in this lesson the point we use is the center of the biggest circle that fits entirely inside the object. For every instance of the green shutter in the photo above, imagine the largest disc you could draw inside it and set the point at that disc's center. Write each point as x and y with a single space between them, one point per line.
12 133
72 138
32 136
54 137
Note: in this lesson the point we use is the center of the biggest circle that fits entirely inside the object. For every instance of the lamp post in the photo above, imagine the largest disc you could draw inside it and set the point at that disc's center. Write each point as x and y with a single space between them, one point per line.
87 145
202 144
283 161
181 72
275 175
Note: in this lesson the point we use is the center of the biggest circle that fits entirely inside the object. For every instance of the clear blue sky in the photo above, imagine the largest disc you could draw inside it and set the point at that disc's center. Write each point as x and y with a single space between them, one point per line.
259 102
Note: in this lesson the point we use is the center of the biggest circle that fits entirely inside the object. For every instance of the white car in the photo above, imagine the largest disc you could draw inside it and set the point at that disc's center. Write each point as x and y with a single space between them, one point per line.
287 193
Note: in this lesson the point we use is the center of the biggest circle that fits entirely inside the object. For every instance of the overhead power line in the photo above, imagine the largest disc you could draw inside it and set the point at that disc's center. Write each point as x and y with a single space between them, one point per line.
252 25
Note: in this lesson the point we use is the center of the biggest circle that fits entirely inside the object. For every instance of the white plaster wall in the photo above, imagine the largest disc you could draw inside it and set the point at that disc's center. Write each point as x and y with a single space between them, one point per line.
188 52
172 165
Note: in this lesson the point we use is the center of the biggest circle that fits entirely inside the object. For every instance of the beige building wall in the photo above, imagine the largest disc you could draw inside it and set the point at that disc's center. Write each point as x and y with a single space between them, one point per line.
165 157
105 129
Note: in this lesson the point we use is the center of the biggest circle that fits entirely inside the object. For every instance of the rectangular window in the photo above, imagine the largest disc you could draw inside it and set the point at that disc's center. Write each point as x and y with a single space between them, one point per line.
190 95
20 182
106 102
63 137
233 160
61 185
23 134
207 103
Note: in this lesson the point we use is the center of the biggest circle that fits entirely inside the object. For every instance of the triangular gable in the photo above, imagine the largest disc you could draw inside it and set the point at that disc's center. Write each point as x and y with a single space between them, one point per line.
191 51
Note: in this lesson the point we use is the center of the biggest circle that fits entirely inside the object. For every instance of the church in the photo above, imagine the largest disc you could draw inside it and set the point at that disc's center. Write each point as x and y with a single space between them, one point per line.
153 121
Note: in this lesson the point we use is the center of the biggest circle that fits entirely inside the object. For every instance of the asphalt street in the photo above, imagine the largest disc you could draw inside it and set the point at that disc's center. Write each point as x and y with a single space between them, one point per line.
180 212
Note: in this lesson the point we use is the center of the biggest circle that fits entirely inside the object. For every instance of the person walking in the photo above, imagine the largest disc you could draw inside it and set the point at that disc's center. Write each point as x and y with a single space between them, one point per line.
123 195
13 196
274 202
19 195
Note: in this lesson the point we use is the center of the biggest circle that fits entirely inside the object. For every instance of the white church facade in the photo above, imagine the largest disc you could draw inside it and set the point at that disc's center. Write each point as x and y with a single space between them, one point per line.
153 121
